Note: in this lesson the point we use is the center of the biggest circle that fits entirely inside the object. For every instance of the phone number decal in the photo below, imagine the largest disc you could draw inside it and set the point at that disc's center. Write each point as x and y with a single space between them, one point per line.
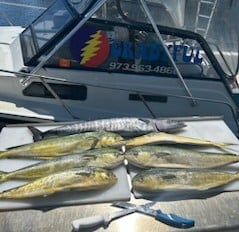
141 68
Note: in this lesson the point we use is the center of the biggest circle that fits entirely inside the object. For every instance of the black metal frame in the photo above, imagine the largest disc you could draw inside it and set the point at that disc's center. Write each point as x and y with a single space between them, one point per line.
46 47
185 34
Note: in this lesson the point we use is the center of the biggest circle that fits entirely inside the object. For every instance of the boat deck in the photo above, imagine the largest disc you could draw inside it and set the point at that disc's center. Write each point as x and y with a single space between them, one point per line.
217 211
9 111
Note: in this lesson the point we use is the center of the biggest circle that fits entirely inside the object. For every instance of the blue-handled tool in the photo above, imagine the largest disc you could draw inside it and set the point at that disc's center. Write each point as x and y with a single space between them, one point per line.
169 219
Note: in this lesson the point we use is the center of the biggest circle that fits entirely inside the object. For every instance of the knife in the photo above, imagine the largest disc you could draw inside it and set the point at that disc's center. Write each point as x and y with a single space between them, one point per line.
99 220
169 219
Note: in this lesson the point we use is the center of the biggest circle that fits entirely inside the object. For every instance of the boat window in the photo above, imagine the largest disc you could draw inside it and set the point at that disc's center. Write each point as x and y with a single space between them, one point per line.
44 29
99 45
64 91
208 18
132 11
82 5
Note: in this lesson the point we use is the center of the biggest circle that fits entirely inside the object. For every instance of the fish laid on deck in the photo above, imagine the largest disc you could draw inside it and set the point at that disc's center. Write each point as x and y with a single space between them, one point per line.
159 179
166 138
70 144
176 157
102 157
80 179
123 126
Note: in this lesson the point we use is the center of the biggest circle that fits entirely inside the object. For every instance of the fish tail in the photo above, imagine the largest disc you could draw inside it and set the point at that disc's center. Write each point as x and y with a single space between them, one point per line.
3 154
3 176
37 134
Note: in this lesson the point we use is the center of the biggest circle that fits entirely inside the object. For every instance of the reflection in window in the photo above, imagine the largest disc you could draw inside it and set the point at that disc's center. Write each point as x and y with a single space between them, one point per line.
47 27
50 23
118 48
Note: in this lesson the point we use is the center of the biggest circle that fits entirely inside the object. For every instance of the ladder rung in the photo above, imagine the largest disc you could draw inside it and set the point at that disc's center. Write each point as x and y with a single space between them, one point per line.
201 29
204 16
207 2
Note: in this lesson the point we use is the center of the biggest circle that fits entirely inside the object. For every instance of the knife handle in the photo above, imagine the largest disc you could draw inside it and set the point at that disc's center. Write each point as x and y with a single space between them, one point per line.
174 220
89 222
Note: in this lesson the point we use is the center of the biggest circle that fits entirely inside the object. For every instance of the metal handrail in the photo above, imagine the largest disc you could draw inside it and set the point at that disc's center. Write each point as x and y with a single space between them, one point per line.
55 49
146 9
66 38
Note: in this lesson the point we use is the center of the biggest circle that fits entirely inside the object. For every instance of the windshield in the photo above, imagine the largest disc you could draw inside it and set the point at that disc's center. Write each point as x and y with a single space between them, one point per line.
55 20
216 21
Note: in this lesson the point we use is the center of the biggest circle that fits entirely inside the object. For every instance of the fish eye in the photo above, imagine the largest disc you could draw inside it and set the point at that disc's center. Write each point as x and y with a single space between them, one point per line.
140 179
135 153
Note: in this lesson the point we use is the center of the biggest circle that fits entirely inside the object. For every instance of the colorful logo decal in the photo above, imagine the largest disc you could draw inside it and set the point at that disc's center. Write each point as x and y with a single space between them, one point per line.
90 47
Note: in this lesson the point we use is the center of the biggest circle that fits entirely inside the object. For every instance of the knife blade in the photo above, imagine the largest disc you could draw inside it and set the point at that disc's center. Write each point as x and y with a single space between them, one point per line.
169 219
99 220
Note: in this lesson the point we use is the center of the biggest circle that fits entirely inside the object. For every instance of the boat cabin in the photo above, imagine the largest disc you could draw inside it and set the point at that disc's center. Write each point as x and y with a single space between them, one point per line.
145 58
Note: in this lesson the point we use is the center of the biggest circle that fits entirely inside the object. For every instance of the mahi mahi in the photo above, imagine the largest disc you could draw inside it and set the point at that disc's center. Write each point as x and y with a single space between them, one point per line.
80 179
166 138
102 157
176 157
158 179
124 126
70 144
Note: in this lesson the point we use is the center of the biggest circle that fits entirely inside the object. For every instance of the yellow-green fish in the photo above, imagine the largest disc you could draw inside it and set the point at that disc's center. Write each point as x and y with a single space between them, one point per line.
80 179
174 157
165 138
108 158
70 144
160 179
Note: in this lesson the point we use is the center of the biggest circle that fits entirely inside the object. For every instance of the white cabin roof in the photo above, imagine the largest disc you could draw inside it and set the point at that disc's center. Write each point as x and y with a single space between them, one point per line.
10 49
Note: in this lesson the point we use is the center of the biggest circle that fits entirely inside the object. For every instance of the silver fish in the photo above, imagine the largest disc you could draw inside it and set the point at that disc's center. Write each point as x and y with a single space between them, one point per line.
159 179
124 126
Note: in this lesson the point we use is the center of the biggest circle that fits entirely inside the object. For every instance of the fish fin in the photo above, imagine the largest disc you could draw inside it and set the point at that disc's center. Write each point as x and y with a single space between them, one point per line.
229 150
37 134
149 121
46 209
144 120
92 142
95 142
13 147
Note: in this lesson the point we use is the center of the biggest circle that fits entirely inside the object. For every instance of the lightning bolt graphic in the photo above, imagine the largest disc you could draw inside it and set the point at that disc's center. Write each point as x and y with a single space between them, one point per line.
91 48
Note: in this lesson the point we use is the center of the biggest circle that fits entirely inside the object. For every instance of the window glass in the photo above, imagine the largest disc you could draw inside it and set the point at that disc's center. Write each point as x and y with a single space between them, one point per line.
29 48
50 23
126 49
